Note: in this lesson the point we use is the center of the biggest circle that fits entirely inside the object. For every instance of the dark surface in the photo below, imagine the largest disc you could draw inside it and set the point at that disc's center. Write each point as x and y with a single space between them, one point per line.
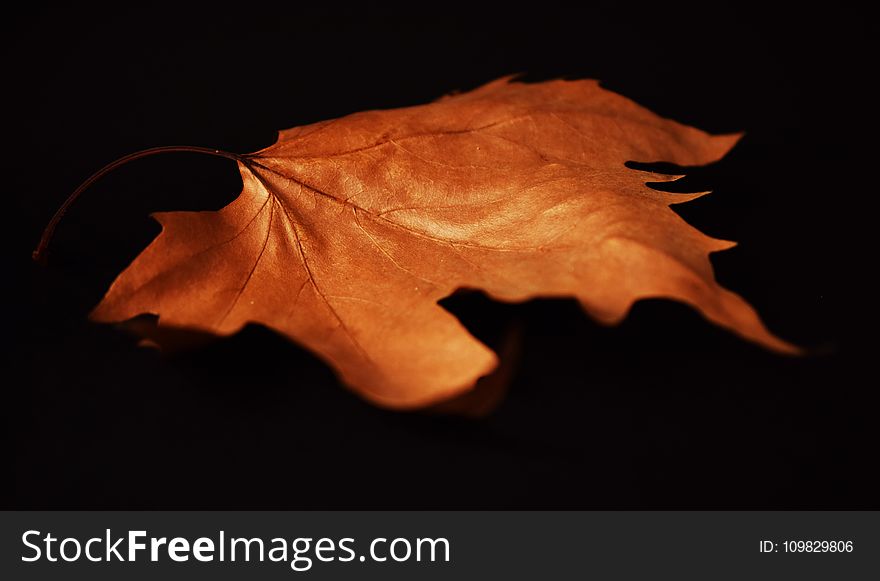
664 411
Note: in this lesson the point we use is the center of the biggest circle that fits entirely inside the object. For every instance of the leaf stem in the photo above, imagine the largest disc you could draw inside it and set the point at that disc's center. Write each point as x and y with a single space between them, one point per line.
39 253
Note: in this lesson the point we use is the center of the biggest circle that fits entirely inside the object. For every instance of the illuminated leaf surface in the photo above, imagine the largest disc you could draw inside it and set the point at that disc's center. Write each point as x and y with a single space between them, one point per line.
348 232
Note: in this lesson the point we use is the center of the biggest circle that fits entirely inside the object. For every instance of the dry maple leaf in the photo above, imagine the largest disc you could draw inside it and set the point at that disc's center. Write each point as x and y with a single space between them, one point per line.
349 231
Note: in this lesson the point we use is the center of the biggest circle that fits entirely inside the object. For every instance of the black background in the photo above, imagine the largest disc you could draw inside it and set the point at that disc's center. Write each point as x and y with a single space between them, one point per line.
664 411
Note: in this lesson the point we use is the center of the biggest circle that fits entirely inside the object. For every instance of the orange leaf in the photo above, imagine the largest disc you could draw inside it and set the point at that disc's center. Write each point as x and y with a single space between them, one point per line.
348 232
